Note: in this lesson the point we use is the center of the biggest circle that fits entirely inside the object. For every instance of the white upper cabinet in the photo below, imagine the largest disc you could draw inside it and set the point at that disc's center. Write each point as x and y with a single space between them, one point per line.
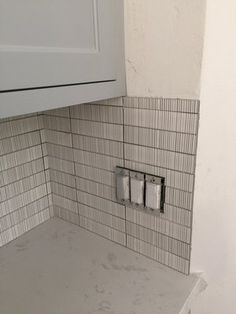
55 53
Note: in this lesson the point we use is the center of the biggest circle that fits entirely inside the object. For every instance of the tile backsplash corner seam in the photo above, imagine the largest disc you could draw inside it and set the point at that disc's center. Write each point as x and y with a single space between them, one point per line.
50 203
144 134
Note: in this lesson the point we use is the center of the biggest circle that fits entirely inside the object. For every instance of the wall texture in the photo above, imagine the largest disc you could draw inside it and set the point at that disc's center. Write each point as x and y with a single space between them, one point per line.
164 41
214 240
23 193
83 145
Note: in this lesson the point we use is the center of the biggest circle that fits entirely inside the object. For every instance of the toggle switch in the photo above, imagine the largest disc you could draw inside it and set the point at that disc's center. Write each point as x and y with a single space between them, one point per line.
137 187
122 185
154 193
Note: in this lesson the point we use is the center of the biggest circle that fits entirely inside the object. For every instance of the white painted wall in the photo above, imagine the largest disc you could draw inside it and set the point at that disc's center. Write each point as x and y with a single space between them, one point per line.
214 228
164 40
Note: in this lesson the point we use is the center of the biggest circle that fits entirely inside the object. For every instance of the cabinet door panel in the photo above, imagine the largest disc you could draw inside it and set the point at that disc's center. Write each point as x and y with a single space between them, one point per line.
58 42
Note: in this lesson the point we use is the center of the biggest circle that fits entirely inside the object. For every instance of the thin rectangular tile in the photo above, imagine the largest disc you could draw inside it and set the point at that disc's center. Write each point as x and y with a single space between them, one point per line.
98 113
142 136
97 145
23 213
64 191
56 137
57 123
102 217
158 224
102 230
59 164
94 174
65 203
23 156
24 226
17 127
102 204
177 215
58 151
23 199
66 215
159 240
61 177
97 129
159 255
98 189
24 185
96 160
20 142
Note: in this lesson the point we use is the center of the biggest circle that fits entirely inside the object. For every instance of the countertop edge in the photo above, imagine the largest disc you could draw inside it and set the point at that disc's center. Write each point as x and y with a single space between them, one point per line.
199 287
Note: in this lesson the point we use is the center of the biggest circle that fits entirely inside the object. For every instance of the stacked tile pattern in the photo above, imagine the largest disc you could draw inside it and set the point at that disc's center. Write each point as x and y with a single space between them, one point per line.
59 163
160 137
65 159
23 192
97 135
84 144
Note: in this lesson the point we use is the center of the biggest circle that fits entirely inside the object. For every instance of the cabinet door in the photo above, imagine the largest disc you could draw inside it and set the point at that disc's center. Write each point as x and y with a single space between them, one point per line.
49 43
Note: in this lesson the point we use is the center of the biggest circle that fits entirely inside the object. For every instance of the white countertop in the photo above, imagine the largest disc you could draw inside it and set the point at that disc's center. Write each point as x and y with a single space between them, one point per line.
59 268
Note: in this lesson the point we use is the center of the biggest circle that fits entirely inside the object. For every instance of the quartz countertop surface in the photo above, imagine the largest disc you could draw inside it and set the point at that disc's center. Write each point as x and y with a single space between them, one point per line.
59 268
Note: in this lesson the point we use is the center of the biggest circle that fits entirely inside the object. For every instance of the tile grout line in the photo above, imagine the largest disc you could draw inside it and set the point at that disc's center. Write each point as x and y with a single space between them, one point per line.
194 182
123 218
121 159
174 150
20 221
24 206
123 113
51 214
74 167
21 165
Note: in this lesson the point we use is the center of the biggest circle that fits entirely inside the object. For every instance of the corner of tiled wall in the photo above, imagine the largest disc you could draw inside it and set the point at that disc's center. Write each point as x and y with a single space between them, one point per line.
23 192
59 163
79 148
97 133
82 146
85 143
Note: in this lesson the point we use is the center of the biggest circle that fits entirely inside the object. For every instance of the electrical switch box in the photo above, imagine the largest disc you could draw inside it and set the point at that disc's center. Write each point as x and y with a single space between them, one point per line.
137 188
140 190
155 191
122 185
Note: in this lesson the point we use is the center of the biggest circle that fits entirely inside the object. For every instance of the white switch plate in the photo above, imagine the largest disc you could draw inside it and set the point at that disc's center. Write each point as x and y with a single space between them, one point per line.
122 185
153 196
137 188
153 192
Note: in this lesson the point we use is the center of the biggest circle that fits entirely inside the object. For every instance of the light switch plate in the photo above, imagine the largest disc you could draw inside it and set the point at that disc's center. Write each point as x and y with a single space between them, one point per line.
122 185
154 193
137 188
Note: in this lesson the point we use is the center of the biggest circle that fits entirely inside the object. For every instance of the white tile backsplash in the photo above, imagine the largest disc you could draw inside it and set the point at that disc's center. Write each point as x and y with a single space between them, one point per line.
64 159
